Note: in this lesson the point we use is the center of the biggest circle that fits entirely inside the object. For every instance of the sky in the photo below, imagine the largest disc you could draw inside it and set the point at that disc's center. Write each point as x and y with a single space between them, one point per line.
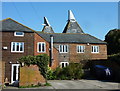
95 18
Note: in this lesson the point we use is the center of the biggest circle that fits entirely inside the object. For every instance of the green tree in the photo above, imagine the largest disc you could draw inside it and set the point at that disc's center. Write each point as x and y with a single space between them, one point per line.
113 41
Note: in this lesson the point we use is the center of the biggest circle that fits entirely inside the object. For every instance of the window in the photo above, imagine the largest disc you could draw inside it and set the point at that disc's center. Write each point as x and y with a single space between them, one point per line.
64 64
95 49
80 49
17 47
63 48
18 33
41 47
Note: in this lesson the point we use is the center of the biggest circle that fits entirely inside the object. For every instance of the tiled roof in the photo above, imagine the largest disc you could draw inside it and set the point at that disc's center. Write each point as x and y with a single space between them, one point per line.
71 38
12 25
47 27
72 27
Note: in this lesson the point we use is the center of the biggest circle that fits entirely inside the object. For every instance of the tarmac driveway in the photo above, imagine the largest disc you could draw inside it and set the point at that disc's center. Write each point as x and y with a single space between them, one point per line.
58 85
83 84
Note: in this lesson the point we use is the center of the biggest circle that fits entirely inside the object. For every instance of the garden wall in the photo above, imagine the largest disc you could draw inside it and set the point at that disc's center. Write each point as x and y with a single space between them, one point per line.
31 76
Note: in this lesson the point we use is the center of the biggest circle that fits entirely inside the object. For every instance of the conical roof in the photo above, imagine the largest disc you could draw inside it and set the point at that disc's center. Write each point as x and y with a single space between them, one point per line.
72 26
47 27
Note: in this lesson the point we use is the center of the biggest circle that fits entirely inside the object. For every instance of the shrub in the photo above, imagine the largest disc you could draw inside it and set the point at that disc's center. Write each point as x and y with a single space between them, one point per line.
40 60
73 71
50 75
27 59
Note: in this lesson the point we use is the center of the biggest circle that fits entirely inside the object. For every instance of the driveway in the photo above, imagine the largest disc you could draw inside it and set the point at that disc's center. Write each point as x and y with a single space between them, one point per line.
72 84
83 84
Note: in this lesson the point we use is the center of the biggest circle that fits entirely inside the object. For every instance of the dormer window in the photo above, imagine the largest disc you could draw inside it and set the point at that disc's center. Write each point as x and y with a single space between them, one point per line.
18 33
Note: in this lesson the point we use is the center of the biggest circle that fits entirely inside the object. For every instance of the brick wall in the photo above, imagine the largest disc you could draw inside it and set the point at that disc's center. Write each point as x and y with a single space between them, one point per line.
37 39
7 56
2 70
87 55
73 56
30 76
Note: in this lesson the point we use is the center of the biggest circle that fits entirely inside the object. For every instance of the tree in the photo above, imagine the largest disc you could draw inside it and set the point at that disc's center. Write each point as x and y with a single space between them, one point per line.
113 41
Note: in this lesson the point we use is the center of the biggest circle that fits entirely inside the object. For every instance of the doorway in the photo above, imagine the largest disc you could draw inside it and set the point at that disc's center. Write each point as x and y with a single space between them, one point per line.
15 73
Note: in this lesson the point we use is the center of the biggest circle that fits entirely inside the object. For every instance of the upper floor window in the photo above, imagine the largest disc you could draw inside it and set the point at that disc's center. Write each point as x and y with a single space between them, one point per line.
17 46
41 47
18 33
95 49
63 48
80 49
64 64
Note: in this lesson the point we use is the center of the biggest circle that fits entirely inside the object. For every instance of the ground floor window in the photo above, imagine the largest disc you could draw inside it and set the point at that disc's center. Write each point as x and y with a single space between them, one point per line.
64 64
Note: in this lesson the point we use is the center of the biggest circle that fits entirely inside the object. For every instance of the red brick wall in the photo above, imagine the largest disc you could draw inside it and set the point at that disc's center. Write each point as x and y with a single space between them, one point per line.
76 57
73 56
8 56
30 76
37 39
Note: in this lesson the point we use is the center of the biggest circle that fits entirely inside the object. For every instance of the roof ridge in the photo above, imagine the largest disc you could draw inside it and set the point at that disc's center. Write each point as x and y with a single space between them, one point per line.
62 33
5 19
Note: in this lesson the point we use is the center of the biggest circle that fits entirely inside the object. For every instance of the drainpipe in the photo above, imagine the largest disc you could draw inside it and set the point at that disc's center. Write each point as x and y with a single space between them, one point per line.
51 50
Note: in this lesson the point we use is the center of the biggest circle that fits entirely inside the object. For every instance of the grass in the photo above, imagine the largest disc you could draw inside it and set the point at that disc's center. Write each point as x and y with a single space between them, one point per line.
33 86
47 84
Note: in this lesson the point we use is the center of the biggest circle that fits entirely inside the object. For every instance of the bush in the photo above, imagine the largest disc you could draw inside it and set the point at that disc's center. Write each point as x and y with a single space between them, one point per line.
73 71
115 58
40 60
50 75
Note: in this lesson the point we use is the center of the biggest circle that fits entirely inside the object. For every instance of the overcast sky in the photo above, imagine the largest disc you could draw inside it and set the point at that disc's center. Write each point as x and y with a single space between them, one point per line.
95 18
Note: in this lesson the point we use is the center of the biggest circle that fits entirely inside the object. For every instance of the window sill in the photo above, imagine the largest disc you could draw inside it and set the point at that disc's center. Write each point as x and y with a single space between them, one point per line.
95 52
80 52
41 52
63 52
16 52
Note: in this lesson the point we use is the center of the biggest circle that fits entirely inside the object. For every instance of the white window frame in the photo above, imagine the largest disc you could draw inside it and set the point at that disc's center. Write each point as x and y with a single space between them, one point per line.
61 50
64 64
15 34
93 48
16 47
41 47
78 48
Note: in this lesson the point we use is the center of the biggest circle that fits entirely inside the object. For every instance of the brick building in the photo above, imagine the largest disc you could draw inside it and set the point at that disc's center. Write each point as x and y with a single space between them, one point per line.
73 45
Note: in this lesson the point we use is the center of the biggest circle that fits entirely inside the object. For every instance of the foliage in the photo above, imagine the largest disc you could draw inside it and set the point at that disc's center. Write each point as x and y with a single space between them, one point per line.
29 86
27 60
47 84
50 75
115 58
40 60
113 41
73 71
33 86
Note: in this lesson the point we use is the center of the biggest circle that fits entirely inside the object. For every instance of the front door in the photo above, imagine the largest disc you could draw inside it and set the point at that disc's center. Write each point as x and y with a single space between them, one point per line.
15 72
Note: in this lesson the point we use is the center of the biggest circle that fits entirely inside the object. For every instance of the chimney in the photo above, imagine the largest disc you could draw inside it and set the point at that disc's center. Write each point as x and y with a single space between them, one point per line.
51 50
